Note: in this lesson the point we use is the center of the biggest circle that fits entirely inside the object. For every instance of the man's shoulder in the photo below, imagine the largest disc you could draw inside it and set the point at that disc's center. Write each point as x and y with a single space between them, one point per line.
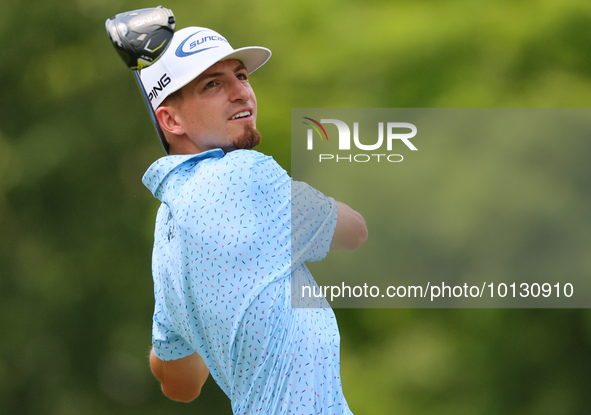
249 160
246 157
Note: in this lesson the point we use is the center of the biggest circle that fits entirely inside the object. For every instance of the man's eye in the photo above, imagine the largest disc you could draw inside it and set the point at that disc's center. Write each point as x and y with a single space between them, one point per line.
242 76
210 84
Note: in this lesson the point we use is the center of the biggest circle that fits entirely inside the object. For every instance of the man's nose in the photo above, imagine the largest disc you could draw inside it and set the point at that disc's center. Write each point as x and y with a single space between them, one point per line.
238 91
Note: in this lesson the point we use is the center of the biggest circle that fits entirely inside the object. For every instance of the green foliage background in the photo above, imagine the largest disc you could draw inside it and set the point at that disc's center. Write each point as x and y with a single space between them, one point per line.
76 222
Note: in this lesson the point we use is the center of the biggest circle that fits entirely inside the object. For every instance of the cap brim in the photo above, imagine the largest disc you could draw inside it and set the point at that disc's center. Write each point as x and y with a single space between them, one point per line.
253 57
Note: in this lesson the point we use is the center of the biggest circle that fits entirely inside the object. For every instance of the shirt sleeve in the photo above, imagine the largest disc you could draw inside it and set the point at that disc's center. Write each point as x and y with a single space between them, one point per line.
167 344
314 219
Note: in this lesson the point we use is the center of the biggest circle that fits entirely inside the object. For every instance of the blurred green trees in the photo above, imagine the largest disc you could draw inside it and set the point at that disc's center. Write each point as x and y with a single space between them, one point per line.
76 222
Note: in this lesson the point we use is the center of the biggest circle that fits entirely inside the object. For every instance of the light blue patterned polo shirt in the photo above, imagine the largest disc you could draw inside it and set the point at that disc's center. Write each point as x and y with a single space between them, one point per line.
222 268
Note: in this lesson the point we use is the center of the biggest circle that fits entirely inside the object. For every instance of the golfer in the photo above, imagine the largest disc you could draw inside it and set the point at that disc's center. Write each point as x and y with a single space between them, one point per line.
232 231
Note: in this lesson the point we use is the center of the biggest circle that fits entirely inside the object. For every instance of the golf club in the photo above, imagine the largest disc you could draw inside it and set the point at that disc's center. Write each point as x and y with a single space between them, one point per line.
141 37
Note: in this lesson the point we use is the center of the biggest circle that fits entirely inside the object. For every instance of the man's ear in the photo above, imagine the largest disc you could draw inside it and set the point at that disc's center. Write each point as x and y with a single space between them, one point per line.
167 117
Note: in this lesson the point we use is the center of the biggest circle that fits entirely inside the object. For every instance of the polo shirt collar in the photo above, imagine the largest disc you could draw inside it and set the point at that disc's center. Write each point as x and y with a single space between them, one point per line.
156 174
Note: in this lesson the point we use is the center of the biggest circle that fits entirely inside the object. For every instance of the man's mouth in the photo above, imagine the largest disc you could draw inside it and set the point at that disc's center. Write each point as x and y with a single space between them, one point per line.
242 114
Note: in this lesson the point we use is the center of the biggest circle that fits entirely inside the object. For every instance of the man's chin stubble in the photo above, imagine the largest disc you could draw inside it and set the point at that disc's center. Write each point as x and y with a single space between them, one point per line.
249 139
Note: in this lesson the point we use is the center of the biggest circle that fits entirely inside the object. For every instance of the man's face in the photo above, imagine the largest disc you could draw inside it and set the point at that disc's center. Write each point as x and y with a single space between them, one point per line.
218 109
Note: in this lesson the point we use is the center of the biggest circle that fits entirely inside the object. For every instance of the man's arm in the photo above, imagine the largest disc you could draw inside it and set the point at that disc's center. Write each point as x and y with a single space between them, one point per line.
351 230
181 379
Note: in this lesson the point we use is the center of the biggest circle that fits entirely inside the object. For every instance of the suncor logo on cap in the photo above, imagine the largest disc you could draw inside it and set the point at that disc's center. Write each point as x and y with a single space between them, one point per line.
193 44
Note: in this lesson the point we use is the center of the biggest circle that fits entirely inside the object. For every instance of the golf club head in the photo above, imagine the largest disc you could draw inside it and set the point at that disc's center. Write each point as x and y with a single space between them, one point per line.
141 36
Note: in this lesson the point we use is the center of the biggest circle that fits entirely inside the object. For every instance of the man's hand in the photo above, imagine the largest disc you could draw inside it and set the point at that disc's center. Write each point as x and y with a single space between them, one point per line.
181 379
351 231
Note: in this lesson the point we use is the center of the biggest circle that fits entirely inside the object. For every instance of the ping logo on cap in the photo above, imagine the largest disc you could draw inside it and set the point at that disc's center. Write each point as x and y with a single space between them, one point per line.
162 83
187 46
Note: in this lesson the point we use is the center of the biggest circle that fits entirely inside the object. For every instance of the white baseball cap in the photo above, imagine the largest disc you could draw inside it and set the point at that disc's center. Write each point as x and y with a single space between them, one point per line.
192 51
